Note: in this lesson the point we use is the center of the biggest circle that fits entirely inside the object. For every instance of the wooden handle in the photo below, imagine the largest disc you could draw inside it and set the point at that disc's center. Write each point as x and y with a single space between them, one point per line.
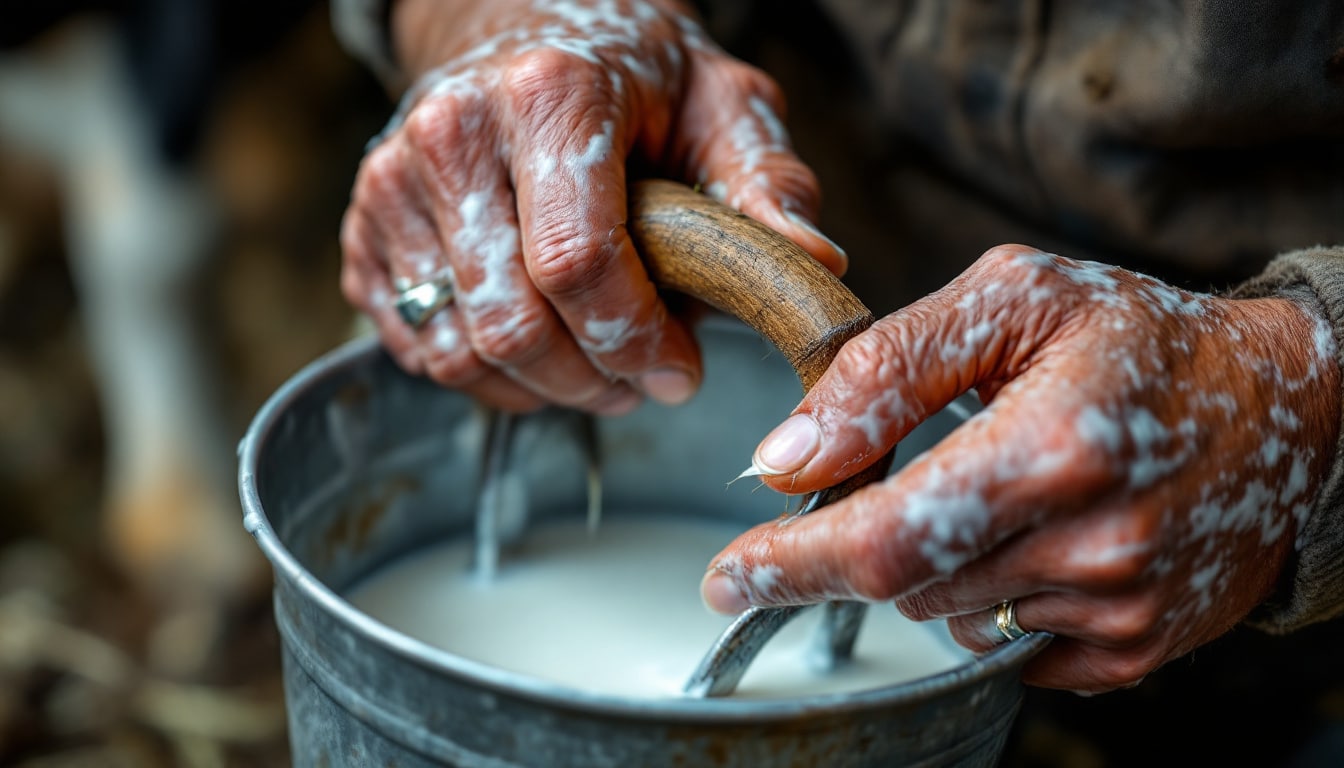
698 246
695 245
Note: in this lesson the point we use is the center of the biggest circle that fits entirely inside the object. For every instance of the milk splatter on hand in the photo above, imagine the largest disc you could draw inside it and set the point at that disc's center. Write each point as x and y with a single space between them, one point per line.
1137 480
505 169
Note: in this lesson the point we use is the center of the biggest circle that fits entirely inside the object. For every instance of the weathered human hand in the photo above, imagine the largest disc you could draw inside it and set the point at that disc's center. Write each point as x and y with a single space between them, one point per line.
506 172
1144 462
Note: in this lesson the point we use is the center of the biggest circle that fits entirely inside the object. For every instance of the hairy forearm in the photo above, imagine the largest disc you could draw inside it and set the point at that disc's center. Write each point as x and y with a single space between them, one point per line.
426 33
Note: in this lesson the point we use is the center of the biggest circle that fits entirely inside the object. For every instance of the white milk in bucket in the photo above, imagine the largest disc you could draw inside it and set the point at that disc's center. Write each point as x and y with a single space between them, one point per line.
617 610
354 465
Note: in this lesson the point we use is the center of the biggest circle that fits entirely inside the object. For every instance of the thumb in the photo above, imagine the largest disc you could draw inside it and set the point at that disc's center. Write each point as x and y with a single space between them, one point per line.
975 332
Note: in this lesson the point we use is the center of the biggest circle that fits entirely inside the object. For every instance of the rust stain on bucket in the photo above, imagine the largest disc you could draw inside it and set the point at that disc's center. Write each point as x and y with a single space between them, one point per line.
352 528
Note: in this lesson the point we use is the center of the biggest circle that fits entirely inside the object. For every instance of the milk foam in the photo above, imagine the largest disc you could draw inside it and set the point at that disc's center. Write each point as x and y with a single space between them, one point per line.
618 611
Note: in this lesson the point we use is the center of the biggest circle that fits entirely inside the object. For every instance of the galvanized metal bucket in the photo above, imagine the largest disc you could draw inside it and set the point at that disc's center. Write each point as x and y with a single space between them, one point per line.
352 464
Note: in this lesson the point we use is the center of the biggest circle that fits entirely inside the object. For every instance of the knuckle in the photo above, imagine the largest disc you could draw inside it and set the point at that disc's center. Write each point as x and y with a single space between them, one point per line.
377 170
1087 466
870 357
999 253
794 181
566 263
1117 552
362 293
1129 623
452 367
752 80
351 234
374 170
353 287
1091 467
1006 254
1027 265
773 179
358 243
430 123
537 82
510 341
918 607
1124 670
873 575
435 129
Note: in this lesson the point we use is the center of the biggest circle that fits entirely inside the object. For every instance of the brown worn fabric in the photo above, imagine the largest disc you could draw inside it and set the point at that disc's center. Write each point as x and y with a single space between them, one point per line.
1209 134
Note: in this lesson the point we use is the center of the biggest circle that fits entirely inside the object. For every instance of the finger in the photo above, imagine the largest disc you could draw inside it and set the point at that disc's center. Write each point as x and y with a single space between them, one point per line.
454 364
580 255
1105 552
979 331
365 278
1099 644
403 235
1070 665
941 512
1114 622
369 285
389 241
754 170
509 324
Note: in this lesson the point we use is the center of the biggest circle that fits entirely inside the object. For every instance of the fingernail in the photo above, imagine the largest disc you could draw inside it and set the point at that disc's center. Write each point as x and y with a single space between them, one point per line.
721 595
799 220
668 385
790 446
752 471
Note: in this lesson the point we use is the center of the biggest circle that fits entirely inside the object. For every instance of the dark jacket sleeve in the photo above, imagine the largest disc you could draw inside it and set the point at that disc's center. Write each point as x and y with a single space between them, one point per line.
361 26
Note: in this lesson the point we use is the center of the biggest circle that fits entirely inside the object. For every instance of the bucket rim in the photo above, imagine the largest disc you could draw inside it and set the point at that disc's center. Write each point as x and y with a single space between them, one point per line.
286 565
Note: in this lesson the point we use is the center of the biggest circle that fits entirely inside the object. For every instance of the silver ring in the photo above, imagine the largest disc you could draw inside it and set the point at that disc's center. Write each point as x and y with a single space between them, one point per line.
417 303
1005 620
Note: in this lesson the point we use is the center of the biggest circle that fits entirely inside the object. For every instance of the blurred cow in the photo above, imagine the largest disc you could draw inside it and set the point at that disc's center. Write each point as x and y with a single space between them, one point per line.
114 97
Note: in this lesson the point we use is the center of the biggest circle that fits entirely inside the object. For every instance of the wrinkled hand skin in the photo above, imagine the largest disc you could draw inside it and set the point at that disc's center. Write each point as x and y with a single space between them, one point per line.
1144 463
506 168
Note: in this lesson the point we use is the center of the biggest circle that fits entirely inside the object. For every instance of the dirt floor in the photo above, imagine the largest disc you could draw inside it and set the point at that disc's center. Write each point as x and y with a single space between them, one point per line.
79 681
